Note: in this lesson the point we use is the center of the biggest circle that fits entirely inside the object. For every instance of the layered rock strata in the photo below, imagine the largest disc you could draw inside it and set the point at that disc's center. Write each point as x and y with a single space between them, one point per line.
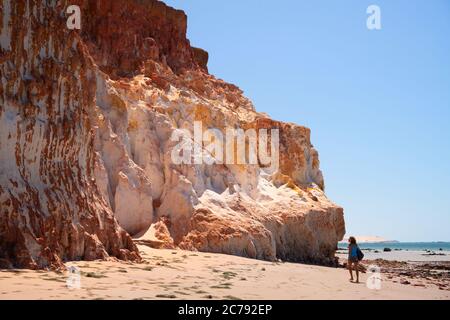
87 124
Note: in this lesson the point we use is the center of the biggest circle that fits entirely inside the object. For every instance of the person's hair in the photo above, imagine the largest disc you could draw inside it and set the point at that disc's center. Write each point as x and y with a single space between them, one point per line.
352 240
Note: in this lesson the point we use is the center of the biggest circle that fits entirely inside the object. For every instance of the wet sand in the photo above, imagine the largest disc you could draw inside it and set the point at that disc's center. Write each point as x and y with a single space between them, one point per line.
402 255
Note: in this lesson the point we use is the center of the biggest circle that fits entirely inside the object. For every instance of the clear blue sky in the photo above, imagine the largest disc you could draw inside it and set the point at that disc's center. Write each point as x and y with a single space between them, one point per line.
377 102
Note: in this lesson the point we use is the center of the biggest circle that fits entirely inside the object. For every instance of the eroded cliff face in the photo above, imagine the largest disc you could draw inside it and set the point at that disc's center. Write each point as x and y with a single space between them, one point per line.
50 206
86 120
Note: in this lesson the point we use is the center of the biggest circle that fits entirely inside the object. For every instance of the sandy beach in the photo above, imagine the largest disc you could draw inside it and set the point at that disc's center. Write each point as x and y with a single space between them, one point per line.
175 274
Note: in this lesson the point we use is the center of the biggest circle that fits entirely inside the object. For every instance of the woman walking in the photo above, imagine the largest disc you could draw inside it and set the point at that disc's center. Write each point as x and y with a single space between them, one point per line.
353 258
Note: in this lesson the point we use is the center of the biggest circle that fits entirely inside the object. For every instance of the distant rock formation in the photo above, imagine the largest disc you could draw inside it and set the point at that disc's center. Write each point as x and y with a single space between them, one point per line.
370 239
86 119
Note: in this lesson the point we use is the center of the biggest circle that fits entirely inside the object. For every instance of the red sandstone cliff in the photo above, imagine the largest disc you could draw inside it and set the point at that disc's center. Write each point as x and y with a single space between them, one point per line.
50 206
86 120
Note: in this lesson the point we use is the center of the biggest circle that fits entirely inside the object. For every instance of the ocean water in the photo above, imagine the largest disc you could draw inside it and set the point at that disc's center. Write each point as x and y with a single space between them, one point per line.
410 246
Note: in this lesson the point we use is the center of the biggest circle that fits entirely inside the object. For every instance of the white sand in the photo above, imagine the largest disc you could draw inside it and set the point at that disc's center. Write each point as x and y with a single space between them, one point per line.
187 275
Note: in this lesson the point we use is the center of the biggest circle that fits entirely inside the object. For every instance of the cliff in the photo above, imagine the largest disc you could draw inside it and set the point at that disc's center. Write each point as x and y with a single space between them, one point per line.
87 119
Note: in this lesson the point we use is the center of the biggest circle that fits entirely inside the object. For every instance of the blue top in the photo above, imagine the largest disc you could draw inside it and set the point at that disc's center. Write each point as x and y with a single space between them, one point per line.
353 251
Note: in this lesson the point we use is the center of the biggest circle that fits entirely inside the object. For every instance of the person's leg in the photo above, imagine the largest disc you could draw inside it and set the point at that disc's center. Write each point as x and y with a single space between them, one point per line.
350 269
357 271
